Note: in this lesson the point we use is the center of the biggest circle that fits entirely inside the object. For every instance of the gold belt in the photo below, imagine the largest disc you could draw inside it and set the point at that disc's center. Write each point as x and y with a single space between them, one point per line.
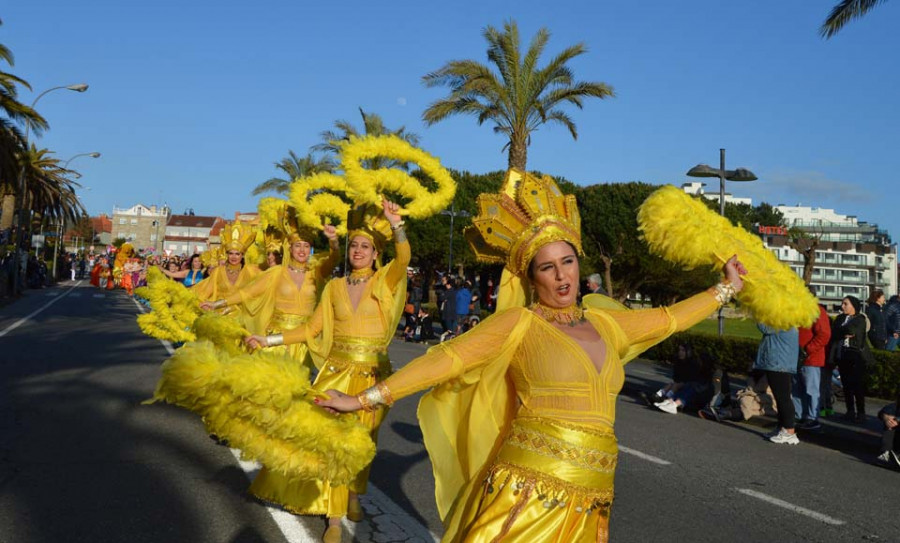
358 350
286 321
558 464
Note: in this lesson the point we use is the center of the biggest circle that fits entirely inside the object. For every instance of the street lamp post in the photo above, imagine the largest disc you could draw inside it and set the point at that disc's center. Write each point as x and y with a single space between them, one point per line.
61 219
79 87
453 214
740 174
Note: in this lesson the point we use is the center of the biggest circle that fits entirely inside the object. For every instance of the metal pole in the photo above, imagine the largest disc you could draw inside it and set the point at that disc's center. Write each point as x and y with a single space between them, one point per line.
56 248
450 257
722 213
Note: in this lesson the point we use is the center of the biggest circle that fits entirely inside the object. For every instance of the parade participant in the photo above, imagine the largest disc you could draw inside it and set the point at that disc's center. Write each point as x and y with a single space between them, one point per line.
351 329
520 423
190 276
227 279
284 296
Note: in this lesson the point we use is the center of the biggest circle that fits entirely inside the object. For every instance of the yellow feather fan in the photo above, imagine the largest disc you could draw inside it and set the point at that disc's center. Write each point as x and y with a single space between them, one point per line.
261 404
173 308
681 229
316 197
369 184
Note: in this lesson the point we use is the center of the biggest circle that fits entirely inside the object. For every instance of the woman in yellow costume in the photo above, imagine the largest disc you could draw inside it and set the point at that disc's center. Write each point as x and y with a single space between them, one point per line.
519 424
350 329
284 296
227 279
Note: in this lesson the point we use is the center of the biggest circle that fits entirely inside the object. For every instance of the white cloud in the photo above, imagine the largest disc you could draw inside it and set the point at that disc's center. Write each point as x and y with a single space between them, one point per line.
811 188
401 101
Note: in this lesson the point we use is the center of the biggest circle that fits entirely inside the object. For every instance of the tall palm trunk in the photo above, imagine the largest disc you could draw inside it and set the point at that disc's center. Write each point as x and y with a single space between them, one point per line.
518 155
7 210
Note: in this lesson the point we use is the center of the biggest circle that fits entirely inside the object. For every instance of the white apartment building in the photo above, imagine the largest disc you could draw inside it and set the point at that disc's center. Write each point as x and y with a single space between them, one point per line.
853 258
698 188
189 234
140 225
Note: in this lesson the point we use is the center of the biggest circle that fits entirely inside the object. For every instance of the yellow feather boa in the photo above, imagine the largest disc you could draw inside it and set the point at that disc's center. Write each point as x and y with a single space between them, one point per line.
314 200
174 308
369 184
683 230
261 403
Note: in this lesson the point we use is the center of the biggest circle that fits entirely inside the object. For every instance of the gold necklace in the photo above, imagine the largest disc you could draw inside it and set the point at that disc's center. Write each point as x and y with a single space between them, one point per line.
358 277
232 269
300 268
570 316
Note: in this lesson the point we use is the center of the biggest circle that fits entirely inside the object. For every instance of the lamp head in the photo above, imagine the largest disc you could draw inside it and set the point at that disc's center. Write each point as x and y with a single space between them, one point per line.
80 87
703 170
94 155
740 174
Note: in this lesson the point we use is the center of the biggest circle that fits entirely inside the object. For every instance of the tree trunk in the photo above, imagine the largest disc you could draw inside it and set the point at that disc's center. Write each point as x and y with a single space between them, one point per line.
518 155
7 210
607 275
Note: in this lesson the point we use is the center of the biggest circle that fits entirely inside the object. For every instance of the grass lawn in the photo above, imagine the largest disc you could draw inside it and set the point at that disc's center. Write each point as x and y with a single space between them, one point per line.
745 328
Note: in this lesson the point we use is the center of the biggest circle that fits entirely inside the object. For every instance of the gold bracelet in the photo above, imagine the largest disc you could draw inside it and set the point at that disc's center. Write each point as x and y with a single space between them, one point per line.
400 235
398 226
275 340
724 292
218 304
373 397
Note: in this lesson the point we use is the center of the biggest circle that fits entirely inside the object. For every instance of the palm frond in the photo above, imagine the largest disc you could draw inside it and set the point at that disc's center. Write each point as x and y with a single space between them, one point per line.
843 13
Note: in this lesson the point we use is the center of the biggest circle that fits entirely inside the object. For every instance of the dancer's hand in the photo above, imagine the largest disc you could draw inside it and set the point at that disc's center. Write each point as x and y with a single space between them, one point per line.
330 232
733 270
207 306
338 402
391 211
255 342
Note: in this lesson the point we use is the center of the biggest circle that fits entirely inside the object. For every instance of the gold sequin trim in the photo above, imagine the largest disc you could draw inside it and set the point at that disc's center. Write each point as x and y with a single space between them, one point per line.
544 445
363 369
550 491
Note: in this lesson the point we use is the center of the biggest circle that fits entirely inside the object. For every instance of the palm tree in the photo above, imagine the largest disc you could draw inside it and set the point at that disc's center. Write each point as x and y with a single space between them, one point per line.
373 125
842 13
13 114
294 167
520 96
49 191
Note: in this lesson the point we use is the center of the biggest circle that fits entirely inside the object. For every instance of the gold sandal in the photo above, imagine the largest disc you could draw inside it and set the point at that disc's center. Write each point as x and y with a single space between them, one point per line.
355 511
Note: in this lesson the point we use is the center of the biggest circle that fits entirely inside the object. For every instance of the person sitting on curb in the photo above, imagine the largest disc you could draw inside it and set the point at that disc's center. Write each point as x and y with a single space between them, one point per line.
890 445
753 401
691 386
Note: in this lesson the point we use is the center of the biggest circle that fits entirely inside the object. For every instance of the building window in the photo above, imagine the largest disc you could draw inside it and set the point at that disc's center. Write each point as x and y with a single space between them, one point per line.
133 221
122 221
152 237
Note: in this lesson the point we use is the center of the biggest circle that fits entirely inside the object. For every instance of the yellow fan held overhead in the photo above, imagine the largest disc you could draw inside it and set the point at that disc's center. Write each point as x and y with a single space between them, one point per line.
683 230
369 185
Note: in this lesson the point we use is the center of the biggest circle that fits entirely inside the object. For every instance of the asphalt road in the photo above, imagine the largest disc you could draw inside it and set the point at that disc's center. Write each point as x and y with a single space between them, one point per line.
81 460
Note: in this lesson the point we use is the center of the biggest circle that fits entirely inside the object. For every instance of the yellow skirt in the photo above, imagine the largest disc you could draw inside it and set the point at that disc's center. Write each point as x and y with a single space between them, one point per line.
549 482
353 366
282 322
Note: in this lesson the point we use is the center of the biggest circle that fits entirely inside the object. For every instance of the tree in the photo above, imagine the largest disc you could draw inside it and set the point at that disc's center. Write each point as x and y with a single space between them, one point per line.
48 189
520 97
13 115
294 167
805 243
843 13
373 125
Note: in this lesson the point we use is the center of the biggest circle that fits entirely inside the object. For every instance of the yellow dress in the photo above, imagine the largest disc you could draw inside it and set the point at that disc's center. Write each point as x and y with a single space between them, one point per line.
519 425
217 286
272 303
350 349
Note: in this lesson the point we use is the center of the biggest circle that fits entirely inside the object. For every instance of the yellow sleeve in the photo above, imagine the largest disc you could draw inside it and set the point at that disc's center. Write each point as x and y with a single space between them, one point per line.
397 269
255 288
206 289
450 360
643 328
326 266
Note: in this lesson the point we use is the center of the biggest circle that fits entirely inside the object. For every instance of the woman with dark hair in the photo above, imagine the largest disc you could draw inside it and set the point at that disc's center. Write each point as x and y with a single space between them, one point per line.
191 275
519 425
851 352
877 326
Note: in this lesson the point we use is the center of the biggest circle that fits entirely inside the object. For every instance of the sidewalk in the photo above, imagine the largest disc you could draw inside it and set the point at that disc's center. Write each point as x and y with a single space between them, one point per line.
644 375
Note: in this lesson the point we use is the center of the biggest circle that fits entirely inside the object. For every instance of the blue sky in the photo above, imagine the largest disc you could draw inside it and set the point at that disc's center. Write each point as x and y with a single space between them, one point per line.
191 103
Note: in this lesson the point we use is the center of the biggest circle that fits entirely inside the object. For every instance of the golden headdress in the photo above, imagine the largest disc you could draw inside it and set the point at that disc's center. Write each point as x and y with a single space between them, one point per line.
238 236
528 213
211 257
368 220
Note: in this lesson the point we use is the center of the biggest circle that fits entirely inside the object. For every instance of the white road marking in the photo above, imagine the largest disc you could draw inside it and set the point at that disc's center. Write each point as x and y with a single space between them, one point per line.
99 296
23 320
52 294
645 456
75 295
791 507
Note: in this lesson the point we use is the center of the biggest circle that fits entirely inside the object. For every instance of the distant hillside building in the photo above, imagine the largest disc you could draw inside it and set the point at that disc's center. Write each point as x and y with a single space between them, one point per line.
697 188
853 258
140 225
189 234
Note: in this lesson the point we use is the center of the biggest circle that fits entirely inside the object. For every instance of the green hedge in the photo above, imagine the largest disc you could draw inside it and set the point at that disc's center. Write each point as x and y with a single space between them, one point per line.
736 355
